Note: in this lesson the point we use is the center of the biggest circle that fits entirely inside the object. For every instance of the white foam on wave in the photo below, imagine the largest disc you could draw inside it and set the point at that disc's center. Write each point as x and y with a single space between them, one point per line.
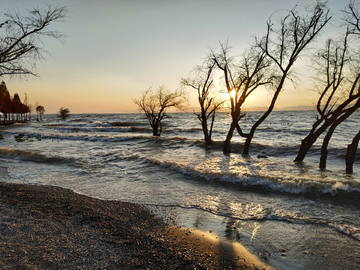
91 128
347 229
246 173
84 136
29 154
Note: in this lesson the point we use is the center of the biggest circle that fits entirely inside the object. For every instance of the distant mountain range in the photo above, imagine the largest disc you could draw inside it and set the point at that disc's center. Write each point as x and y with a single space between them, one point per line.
259 109
288 108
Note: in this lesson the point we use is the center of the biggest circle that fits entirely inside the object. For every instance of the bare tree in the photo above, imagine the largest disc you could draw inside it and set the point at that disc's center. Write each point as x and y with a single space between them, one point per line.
340 68
209 103
154 105
352 18
284 45
64 113
21 38
241 78
338 77
40 110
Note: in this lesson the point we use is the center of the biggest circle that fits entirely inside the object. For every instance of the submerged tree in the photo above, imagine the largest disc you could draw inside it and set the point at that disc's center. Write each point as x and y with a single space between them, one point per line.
284 45
242 78
341 80
209 103
40 110
155 103
64 113
338 79
351 153
22 38
352 17
269 62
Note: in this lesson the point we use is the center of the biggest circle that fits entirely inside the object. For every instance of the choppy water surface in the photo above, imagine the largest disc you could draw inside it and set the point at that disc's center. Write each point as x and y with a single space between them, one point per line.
293 216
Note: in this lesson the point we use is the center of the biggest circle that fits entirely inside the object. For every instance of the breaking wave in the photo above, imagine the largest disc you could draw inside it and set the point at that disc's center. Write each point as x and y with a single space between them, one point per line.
33 155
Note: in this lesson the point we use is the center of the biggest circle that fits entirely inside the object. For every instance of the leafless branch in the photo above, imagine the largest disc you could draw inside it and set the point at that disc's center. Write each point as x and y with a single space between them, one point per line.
21 38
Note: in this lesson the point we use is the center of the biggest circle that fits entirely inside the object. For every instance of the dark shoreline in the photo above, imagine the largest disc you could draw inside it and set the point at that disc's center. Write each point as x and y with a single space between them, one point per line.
45 227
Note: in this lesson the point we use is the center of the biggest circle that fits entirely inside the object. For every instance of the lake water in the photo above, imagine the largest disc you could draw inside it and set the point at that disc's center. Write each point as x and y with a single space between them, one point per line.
293 216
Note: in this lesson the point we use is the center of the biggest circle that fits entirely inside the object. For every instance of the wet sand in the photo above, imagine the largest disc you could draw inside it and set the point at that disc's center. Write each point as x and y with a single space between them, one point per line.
45 227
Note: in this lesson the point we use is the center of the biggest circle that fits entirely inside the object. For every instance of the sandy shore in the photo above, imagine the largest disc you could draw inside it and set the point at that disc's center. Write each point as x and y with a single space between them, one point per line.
52 228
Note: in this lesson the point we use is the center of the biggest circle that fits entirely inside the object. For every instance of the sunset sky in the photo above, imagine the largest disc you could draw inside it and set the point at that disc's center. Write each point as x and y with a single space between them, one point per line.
116 49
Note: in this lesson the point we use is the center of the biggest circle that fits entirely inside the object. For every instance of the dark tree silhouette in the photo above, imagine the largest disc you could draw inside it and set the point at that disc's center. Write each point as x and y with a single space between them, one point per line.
351 153
352 18
10 107
64 113
353 100
331 109
209 103
28 108
284 45
242 78
40 110
22 38
269 62
339 97
5 101
154 105
16 106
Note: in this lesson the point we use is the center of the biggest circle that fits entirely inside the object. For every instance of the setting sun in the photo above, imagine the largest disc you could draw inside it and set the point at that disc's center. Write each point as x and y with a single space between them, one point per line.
232 94
227 95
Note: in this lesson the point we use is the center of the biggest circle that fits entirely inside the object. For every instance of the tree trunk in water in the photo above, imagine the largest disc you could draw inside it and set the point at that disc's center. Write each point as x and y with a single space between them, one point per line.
324 151
209 132
351 153
323 157
155 130
247 143
208 140
207 137
227 146
304 147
